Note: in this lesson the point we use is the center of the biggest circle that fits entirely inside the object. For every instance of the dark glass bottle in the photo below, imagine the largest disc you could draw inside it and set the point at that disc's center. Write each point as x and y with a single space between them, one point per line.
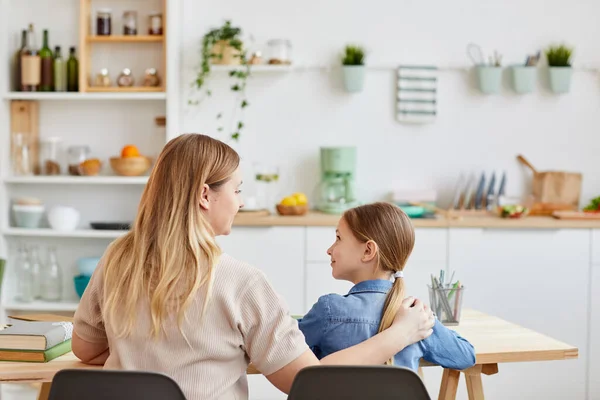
72 72
16 82
47 80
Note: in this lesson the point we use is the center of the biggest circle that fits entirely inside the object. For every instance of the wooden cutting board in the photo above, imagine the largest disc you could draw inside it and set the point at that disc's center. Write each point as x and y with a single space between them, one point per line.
576 215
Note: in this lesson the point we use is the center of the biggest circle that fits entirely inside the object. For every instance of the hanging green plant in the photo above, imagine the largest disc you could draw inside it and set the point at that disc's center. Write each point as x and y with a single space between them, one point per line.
223 46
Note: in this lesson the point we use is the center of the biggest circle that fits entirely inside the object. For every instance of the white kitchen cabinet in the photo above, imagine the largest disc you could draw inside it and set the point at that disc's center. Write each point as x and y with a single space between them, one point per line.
278 251
596 246
539 280
594 372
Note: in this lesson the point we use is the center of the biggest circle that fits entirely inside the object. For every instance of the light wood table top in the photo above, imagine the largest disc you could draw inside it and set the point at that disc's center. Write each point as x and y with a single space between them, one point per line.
252 219
495 341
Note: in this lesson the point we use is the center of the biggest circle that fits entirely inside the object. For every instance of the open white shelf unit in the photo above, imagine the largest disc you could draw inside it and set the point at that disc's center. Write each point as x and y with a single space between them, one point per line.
39 305
78 233
62 96
77 180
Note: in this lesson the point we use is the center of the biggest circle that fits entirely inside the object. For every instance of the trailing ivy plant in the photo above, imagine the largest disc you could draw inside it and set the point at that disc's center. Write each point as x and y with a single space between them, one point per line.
231 35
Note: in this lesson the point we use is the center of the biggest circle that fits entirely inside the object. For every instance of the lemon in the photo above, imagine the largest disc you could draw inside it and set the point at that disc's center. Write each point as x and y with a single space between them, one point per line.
301 199
289 201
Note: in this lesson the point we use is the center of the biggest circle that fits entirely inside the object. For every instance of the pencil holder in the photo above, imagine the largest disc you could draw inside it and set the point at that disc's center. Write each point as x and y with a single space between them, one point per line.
523 78
446 303
489 79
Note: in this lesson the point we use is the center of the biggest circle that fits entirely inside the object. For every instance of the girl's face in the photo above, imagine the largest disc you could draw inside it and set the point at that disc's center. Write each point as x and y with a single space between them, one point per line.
349 256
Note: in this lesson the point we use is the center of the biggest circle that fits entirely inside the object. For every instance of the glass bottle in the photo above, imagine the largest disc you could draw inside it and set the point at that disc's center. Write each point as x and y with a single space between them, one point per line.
31 64
72 72
47 60
24 277
20 158
16 84
52 282
60 71
36 269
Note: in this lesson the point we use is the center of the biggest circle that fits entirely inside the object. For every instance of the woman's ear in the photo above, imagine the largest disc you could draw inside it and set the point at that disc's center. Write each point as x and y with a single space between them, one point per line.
204 202
370 251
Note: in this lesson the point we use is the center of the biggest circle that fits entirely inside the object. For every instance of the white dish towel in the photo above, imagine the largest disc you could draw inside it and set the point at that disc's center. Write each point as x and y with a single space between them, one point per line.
417 93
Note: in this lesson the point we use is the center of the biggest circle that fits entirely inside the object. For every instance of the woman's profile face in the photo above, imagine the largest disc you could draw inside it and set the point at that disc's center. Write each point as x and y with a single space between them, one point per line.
223 204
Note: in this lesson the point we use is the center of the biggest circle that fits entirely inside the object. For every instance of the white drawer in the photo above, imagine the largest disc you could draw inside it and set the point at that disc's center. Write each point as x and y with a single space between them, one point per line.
430 244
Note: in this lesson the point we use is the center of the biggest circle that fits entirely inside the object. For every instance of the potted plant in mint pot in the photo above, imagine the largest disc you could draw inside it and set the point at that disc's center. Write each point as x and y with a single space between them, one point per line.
353 65
559 62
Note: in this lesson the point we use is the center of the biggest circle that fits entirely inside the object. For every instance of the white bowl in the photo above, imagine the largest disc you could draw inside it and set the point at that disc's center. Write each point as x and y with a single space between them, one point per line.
28 216
63 218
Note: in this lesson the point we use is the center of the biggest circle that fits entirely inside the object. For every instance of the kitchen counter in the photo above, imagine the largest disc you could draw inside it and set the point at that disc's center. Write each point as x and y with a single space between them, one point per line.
321 219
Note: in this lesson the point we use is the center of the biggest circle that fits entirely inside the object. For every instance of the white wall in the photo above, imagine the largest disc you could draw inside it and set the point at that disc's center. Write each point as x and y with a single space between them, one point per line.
291 115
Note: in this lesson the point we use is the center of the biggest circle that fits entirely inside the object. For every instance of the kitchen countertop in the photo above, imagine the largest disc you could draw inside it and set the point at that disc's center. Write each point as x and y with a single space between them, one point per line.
314 218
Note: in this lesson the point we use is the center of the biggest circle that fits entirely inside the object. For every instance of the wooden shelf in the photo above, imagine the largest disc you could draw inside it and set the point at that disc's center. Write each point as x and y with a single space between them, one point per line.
78 233
85 96
253 68
125 39
133 89
78 180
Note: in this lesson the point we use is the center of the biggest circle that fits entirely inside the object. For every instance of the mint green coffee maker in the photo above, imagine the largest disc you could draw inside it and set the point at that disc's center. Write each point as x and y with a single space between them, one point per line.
336 191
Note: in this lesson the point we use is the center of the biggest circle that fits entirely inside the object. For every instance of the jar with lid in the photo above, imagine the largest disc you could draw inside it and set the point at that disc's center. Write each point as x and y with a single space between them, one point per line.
104 22
151 78
50 160
77 155
130 23
125 78
102 78
155 24
280 51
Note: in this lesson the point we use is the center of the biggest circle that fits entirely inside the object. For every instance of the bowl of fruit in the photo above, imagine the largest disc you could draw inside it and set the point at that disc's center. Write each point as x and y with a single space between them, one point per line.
295 204
131 162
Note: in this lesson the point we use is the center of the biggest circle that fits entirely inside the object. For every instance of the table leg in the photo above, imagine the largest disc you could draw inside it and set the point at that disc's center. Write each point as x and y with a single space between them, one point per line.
449 384
473 379
44 391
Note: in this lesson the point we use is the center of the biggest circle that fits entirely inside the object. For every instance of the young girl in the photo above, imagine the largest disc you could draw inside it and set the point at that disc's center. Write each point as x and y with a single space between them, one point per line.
373 243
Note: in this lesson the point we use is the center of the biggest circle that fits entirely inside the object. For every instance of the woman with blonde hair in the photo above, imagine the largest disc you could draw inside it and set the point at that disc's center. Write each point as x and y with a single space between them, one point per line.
164 298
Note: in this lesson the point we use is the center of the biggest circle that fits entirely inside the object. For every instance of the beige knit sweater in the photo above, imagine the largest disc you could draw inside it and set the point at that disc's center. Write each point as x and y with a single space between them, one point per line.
245 321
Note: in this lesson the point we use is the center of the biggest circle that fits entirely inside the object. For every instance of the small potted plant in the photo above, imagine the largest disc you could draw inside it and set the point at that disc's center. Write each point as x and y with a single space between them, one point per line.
353 65
223 46
559 62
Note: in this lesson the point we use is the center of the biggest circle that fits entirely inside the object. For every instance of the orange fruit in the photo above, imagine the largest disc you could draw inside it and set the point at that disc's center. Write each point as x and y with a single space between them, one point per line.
130 151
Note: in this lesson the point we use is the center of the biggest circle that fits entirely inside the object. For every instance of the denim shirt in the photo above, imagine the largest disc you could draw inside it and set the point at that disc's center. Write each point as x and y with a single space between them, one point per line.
337 322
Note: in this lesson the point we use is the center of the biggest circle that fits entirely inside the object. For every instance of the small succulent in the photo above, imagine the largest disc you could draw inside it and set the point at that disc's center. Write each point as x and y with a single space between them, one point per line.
353 55
559 56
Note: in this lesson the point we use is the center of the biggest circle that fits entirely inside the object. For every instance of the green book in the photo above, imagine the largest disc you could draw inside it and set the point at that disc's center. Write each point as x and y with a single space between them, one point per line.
36 356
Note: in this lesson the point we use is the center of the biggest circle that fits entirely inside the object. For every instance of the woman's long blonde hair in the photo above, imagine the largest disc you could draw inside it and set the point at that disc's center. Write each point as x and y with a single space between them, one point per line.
170 251
393 233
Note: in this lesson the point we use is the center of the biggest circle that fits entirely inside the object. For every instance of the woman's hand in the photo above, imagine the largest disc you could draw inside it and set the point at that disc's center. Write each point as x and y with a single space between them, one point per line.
415 318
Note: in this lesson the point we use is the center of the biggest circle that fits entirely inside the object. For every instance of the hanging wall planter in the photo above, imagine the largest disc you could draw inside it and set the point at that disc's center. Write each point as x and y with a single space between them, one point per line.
560 71
489 79
523 78
354 77
560 79
353 68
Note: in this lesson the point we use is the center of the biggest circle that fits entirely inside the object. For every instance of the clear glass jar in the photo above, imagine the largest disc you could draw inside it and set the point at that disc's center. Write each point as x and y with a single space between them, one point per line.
24 277
151 78
102 78
104 22
125 78
130 23
280 52
50 160
77 155
52 283
20 157
155 24
36 270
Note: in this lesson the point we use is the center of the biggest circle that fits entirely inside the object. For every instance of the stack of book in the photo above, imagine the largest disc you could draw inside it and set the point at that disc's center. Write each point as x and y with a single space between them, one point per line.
35 341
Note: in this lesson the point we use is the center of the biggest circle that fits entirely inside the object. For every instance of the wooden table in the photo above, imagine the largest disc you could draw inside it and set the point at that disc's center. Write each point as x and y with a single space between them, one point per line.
495 340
